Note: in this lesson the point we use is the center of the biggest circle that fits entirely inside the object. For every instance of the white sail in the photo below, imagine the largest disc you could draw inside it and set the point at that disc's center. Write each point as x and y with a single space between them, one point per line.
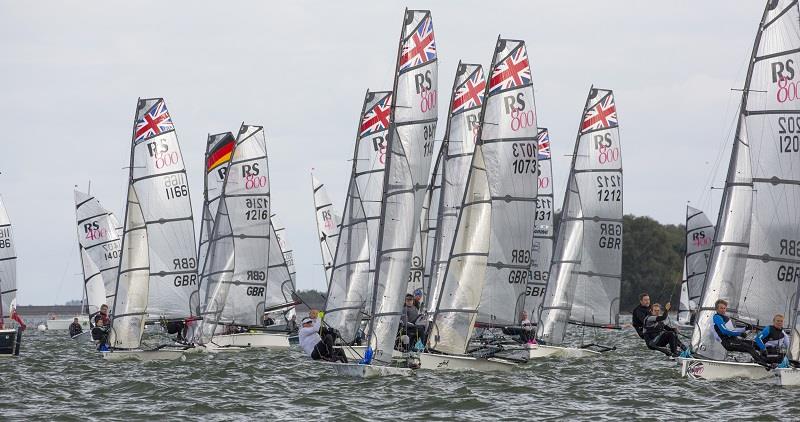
350 288
552 317
465 271
281 275
597 168
508 136
328 223
99 246
543 232
218 153
794 326
420 273
158 267
460 138
8 267
236 268
755 259
699 238
410 150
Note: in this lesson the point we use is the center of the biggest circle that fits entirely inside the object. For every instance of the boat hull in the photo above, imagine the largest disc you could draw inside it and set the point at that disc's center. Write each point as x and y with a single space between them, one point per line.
10 341
788 376
460 362
539 351
368 371
63 324
356 353
142 355
255 340
713 370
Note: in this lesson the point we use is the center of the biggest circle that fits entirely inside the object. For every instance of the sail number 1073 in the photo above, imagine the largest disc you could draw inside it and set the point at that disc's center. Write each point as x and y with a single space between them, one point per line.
789 133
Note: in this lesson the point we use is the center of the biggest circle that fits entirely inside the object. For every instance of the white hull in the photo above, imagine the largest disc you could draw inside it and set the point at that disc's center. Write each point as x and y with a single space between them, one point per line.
355 353
8 343
461 362
788 376
63 324
368 371
255 340
538 351
213 348
713 370
142 355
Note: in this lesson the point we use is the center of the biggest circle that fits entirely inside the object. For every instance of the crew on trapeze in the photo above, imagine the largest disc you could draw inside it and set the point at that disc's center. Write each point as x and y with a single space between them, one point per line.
318 341
734 339
658 335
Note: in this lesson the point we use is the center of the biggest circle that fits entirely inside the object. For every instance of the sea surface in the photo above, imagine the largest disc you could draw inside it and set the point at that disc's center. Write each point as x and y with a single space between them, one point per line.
56 378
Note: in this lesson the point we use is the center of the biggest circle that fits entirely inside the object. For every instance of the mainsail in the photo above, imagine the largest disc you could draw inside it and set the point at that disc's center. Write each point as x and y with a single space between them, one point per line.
350 290
460 137
755 258
699 236
99 249
236 266
281 274
8 267
410 150
543 233
420 273
508 135
158 267
328 222
218 153
597 170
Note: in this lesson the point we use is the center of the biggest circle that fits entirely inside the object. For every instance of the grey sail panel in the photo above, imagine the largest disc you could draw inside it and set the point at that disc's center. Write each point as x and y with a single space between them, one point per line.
754 259
350 287
699 239
158 234
552 317
543 232
280 276
329 221
410 151
420 275
219 149
509 139
597 168
469 88
465 272
8 266
99 245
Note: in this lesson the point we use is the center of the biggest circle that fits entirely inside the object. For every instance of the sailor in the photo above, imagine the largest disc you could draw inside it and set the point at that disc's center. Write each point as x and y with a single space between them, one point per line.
100 333
267 320
524 331
772 340
729 334
315 345
75 328
291 325
103 312
658 335
640 313
418 298
408 321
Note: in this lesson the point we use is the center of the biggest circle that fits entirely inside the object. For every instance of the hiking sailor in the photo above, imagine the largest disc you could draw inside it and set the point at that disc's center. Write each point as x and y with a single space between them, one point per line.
729 335
657 335
772 341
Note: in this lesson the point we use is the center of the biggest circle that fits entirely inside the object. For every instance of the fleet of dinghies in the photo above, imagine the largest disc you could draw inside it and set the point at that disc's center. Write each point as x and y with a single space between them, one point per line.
467 225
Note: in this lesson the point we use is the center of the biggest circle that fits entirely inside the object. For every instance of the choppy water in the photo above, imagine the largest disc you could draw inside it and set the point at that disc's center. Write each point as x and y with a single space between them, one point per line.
56 378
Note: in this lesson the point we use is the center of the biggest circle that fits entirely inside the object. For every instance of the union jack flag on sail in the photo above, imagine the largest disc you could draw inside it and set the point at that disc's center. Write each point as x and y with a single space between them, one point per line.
513 71
377 118
544 145
602 116
154 122
470 93
420 47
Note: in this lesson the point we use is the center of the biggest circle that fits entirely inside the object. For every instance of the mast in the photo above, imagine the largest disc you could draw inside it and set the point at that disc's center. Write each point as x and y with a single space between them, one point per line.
410 147
752 263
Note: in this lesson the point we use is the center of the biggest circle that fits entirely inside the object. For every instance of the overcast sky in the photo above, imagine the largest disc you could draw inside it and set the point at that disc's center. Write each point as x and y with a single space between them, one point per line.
70 74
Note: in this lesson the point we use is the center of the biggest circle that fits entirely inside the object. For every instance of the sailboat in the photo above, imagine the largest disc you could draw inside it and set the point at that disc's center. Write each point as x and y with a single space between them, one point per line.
584 282
158 266
328 225
408 160
699 235
99 248
349 288
460 278
10 336
235 276
754 260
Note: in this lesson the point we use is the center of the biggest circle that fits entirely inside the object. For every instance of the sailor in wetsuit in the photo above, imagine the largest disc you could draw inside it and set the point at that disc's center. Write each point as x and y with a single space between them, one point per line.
733 338
100 333
658 335
639 314
772 341
75 328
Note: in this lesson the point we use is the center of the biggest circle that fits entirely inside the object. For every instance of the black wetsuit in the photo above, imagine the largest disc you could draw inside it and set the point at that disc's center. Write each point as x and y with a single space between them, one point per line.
657 335
639 314
75 329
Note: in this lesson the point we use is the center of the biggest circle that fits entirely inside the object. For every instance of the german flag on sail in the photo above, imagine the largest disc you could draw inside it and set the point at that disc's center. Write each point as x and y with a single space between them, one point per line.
220 150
